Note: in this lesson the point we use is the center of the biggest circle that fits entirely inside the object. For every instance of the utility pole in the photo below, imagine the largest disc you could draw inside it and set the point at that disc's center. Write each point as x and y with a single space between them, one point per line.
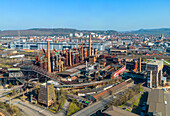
89 45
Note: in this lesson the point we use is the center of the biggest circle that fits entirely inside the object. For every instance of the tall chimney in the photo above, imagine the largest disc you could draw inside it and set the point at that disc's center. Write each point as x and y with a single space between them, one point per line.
89 45
82 52
77 57
57 62
67 58
93 49
72 59
85 53
48 56
140 64
70 56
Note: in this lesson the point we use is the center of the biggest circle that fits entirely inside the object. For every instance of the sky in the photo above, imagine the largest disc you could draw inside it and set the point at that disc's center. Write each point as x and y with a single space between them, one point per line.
120 15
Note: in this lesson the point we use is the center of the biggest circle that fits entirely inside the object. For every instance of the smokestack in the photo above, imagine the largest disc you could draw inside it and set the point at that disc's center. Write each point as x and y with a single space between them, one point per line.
48 56
82 52
57 62
52 63
85 52
72 59
140 64
77 58
66 58
70 56
93 49
89 45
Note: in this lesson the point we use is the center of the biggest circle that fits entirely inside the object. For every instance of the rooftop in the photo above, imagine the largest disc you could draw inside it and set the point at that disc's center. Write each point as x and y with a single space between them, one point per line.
116 111
156 102
72 71
155 62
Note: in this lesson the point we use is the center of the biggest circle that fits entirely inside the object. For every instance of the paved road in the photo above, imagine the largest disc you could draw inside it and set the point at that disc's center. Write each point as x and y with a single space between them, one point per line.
37 108
28 108
167 95
27 111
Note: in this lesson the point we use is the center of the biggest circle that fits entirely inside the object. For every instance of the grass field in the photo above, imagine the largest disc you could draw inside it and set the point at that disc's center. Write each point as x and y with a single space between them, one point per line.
72 108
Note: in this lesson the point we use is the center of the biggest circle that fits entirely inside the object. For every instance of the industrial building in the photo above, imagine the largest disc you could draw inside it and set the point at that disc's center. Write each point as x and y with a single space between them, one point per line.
118 51
116 111
59 60
156 102
46 95
78 64
11 75
154 76
19 45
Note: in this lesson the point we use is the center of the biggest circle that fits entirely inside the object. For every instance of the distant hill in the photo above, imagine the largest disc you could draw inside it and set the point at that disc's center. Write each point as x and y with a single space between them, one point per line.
49 32
165 31
66 31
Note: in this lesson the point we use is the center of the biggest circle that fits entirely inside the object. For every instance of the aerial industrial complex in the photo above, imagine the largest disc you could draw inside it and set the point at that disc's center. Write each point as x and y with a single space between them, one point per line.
85 74
84 58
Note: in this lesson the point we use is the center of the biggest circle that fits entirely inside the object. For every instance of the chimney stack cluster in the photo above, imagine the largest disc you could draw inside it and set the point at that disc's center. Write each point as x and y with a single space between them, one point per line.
60 59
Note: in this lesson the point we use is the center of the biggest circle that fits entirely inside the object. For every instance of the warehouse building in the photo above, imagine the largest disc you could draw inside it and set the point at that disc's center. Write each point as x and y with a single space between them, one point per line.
156 102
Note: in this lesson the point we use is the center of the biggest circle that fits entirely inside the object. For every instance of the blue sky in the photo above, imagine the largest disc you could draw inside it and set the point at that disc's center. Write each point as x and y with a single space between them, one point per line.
121 15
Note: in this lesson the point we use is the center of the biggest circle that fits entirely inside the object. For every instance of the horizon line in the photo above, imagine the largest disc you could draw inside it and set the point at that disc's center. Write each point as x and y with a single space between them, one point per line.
82 29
